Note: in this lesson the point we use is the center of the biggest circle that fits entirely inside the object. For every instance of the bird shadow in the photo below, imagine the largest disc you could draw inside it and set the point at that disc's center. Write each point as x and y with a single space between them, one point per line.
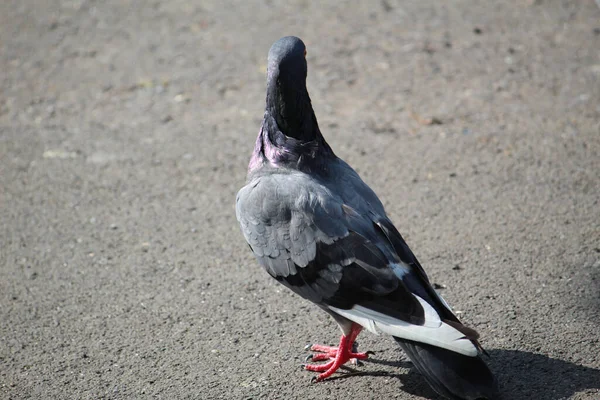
525 375
521 375
412 382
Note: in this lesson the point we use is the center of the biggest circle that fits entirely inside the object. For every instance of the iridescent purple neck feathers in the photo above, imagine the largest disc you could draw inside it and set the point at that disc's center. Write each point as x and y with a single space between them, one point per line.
276 150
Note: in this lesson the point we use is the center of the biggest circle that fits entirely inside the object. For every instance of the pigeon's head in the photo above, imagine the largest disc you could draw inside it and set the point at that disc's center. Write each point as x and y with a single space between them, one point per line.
287 61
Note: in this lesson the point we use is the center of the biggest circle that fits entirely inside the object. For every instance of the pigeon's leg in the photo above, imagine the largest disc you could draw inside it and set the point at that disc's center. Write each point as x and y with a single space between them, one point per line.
338 355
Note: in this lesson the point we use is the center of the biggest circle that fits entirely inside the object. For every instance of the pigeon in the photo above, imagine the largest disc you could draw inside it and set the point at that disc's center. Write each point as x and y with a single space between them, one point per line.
319 230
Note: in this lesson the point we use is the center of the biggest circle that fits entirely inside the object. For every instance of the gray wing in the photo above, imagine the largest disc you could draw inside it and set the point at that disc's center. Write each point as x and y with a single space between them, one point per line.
308 238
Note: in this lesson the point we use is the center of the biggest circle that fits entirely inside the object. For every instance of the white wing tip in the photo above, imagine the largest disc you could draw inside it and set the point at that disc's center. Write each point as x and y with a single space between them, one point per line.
442 335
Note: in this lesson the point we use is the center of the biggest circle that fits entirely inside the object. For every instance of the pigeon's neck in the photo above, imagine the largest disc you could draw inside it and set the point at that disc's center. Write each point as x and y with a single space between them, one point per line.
276 150
289 104
289 136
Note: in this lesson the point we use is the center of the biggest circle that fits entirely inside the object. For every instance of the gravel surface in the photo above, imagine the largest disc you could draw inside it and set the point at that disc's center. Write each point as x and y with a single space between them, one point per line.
125 131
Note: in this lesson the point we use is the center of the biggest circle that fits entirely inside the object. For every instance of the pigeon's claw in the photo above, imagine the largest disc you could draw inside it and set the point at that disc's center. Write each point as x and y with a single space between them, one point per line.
330 355
320 367
322 349
321 356
337 356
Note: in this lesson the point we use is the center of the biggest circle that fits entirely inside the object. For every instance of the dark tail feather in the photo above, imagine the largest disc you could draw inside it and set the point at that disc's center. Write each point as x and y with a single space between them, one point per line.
453 375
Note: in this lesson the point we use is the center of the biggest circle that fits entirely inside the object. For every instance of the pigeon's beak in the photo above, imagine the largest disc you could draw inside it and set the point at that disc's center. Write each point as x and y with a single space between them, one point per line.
304 53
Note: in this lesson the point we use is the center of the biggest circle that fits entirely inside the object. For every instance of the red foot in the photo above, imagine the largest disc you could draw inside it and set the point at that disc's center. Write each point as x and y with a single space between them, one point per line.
338 355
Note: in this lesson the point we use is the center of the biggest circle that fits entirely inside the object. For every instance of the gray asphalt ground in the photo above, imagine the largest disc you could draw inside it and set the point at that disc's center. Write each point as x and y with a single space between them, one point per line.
125 132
